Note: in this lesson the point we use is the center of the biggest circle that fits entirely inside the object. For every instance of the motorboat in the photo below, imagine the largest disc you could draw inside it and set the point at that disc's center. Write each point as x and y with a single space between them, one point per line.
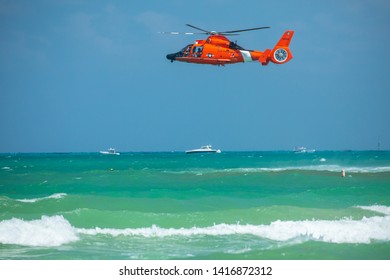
110 151
203 149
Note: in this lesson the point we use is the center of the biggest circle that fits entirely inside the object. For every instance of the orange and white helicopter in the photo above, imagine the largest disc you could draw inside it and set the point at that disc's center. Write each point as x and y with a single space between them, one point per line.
218 50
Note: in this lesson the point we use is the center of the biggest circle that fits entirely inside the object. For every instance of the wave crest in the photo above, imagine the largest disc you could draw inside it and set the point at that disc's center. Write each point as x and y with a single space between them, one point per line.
56 230
47 232
333 231
314 168
53 196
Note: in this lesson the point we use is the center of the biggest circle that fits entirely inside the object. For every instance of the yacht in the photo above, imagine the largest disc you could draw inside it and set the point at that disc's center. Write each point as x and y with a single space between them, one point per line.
203 149
110 151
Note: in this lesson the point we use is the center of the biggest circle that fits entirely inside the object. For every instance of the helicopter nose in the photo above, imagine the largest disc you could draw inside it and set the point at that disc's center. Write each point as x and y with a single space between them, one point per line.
171 57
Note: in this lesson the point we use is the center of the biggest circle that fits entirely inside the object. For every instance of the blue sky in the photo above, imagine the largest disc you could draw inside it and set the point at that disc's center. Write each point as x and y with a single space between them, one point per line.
87 75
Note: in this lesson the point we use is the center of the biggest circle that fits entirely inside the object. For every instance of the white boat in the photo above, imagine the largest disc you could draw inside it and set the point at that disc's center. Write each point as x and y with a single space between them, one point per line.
203 149
110 151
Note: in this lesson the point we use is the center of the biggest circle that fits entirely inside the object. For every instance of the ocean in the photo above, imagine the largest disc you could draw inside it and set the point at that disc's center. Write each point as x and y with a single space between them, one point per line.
270 205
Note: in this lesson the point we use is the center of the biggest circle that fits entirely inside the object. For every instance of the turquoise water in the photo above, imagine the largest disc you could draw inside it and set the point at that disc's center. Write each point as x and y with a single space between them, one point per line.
233 205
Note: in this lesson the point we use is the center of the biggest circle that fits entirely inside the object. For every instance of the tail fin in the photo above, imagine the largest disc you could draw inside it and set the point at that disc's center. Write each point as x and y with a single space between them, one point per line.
286 39
281 52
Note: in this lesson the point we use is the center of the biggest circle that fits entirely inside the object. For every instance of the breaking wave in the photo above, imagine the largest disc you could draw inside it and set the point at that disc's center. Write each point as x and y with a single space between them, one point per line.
346 230
56 230
329 168
376 208
342 231
319 168
53 196
47 232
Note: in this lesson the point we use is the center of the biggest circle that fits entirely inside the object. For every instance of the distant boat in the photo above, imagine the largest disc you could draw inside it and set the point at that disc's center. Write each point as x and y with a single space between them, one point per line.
203 149
300 150
110 151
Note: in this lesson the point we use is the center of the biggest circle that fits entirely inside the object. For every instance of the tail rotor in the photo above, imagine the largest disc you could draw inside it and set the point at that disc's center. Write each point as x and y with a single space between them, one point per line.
281 52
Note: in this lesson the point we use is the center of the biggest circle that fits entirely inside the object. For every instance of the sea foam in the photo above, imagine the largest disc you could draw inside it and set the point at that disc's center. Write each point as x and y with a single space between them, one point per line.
56 230
376 208
345 230
53 196
46 232
317 168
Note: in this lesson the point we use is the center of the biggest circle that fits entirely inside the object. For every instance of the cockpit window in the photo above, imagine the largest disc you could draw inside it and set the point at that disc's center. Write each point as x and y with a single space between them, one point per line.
190 50
197 51
234 46
187 48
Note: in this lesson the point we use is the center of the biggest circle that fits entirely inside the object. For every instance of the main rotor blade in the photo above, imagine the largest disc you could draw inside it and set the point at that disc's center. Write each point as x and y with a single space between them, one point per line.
179 33
207 32
243 30
230 32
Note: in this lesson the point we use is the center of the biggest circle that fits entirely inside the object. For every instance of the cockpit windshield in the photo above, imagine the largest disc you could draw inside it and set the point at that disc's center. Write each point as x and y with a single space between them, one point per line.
234 46
186 48
191 50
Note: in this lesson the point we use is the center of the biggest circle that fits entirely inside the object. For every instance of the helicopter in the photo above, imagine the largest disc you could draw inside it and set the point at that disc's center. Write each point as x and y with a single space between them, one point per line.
219 50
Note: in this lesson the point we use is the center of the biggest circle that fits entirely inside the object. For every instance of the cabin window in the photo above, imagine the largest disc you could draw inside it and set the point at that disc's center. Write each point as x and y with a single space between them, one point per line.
197 51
